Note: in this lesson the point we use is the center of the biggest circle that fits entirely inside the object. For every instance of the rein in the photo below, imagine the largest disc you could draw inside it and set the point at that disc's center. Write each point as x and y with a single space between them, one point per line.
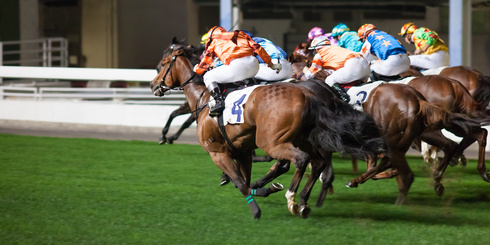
174 55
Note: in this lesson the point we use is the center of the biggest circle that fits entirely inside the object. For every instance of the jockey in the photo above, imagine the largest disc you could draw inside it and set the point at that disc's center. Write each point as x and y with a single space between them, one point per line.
430 49
236 50
277 56
343 65
393 59
346 38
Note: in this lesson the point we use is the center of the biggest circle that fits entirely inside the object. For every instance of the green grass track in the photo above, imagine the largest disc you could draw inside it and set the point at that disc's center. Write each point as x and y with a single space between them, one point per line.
90 191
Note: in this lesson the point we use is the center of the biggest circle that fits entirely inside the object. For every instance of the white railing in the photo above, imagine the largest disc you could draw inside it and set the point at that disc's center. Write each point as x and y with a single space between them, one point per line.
136 95
43 52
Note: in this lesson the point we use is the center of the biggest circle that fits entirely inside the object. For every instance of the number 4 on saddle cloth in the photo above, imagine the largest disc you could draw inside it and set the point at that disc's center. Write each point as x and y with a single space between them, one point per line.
234 101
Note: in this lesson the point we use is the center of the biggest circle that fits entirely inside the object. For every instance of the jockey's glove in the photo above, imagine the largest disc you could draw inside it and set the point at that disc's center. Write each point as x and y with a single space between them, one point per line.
276 67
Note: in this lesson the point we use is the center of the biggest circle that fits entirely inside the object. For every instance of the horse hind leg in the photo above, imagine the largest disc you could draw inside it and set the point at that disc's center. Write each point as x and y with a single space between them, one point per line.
279 168
404 178
326 178
317 166
300 159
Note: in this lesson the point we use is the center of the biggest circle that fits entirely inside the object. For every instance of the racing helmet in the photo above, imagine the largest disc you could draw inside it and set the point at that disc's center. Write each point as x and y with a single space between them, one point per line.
319 42
364 30
204 38
315 32
339 29
407 29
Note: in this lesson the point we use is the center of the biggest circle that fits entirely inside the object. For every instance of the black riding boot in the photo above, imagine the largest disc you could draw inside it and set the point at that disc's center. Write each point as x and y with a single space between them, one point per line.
220 102
343 95
374 76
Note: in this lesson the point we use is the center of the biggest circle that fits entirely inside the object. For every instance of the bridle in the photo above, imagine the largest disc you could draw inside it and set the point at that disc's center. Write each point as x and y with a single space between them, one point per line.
173 54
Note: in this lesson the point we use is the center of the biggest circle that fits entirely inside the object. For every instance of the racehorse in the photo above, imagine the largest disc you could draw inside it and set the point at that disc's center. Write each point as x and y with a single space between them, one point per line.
477 84
403 115
454 97
285 120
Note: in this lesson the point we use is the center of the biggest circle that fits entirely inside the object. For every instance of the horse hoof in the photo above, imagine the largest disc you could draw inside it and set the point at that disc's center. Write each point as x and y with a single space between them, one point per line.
162 141
170 141
439 188
224 181
275 187
305 211
294 209
463 161
330 190
486 176
351 185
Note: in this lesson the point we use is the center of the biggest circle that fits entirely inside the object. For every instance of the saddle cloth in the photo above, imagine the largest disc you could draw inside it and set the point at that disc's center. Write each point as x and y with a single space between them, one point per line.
434 71
359 94
233 112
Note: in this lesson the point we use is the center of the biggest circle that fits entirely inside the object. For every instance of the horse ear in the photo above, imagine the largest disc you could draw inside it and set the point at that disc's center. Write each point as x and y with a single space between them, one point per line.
174 40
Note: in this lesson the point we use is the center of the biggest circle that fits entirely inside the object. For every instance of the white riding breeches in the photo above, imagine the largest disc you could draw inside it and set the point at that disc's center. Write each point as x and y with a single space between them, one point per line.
354 69
237 70
267 74
392 66
430 61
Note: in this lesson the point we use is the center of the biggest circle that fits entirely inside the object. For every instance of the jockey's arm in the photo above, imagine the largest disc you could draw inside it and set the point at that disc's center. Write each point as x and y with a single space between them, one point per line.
422 49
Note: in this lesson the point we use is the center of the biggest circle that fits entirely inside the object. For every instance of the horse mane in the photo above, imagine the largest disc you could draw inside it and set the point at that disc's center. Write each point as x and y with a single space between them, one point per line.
190 52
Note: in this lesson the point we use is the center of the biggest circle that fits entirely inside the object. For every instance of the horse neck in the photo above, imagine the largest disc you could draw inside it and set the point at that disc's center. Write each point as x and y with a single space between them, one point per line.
193 92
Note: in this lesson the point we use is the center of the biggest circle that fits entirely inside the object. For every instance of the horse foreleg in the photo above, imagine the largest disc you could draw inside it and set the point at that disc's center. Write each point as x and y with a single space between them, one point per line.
235 172
354 165
372 170
482 143
184 126
183 109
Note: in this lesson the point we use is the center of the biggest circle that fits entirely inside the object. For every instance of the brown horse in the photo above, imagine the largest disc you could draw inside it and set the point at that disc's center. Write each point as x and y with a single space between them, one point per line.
477 84
403 114
452 96
285 120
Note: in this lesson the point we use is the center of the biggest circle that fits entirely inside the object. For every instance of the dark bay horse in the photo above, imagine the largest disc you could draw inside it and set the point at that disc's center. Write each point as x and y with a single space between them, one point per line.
285 120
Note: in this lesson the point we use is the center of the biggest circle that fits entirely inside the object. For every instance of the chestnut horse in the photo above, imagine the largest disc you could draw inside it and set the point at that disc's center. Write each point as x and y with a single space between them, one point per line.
478 85
403 114
287 121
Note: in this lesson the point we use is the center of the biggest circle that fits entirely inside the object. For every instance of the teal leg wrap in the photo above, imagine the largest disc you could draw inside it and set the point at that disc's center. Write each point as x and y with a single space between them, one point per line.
249 199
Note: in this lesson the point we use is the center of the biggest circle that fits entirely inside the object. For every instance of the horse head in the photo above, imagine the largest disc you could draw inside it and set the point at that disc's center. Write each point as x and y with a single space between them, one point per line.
174 68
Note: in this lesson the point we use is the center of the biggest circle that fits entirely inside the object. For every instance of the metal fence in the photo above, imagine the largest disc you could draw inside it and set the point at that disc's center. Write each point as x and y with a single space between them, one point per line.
57 75
38 52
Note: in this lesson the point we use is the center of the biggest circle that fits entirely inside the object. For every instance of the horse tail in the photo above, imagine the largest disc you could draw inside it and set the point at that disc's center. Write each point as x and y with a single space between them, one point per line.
467 104
435 117
341 130
482 92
